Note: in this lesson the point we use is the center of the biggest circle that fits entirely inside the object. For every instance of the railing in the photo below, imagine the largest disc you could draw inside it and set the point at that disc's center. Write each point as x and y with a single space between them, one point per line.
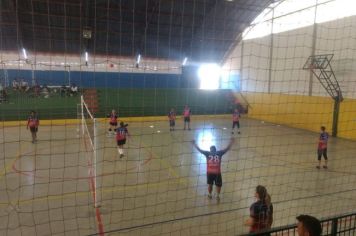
245 101
333 226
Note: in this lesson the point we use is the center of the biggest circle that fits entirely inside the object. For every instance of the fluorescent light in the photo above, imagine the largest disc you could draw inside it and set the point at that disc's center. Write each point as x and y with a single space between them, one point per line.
138 59
24 53
86 56
185 61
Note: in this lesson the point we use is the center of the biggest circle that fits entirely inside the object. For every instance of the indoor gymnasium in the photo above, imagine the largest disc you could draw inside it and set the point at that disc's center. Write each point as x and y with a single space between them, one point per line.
178 117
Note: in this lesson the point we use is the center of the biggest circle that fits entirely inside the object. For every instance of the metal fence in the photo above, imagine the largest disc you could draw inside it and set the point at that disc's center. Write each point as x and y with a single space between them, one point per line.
342 225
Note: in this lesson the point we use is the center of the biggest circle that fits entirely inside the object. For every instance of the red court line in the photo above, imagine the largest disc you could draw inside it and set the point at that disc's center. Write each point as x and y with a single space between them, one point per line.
90 178
93 191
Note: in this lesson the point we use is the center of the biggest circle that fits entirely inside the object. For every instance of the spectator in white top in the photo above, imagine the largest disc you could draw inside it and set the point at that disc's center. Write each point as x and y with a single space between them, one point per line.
74 90
24 86
45 91
15 84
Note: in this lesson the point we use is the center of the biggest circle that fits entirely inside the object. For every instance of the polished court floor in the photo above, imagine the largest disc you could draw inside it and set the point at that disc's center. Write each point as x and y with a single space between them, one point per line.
159 186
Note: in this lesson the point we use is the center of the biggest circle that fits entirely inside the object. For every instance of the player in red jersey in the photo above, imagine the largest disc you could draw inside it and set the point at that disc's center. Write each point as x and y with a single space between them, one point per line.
33 122
172 119
213 162
121 134
323 147
186 114
236 121
112 122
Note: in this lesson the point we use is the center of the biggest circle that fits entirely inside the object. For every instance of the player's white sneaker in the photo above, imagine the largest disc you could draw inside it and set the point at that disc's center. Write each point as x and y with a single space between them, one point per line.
210 196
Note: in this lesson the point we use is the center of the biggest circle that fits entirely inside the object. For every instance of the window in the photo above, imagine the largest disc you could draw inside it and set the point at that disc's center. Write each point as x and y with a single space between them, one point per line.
335 10
293 14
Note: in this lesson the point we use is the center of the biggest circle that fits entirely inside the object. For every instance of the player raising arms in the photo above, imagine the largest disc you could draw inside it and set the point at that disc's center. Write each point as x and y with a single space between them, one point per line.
121 134
112 122
172 119
213 172
236 121
33 122
186 115
323 147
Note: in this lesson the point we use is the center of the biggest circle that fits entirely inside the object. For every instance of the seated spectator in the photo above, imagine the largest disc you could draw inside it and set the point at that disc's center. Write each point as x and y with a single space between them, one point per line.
63 91
308 226
24 86
27 88
261 212
3 94
74 90
15 85
36 90
45 91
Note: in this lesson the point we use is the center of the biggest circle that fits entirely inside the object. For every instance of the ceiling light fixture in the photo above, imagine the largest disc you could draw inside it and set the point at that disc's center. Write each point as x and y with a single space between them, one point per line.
24 53
185 61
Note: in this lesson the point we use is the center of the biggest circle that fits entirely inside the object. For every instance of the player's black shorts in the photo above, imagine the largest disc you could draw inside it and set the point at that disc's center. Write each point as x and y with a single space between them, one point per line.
214 178
121 142
187 119
113 123
33 129
236 123
323 152
172 123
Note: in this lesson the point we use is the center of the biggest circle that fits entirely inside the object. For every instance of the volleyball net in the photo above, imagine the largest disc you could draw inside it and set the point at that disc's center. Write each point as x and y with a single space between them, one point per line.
89 132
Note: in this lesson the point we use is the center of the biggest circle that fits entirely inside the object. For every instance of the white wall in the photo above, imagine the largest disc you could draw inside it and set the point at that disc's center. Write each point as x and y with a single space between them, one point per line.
255 66
339 38
232 64
41 61
290 51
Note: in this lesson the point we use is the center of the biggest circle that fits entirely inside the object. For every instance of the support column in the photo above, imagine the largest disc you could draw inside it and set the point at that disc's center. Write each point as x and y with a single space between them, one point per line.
241 64
315 28
336 113
270 56
33 79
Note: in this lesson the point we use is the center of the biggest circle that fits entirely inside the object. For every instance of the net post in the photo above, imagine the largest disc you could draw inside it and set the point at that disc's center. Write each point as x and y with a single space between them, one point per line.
82 107
79 118
95 143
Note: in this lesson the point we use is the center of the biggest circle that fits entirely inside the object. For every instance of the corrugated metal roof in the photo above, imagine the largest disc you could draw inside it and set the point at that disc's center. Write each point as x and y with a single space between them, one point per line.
174 29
